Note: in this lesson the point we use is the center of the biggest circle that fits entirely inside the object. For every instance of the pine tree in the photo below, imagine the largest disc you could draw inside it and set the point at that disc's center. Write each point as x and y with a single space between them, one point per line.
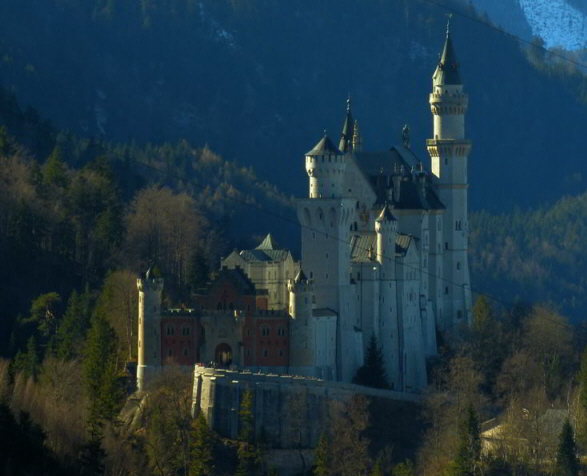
54 170
567 463
372 373
202 448
71 331
323 456
248 455
100 369
31 361
467 462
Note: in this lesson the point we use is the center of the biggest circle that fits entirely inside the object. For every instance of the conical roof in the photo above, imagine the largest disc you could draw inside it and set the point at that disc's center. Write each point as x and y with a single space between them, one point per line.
324 147
268 243
300 277
447 71
386 214
348 129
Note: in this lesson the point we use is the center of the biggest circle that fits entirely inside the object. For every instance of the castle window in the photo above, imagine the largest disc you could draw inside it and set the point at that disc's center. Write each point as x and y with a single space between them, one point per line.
281 331
445 161
264 352
311 274
185 331
446 245
248 352
446 290
358 276
185 352
280 353
458 225
265 331
170 330
326 255
314 235
458 265
170 352
326 275
313 299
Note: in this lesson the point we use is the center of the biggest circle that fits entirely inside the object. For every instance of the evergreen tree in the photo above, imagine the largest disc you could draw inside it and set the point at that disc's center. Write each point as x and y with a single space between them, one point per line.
100 370
467 462
372 373
55 171
248 455
323 456
567 463
202 448
404 469
71 332
31 363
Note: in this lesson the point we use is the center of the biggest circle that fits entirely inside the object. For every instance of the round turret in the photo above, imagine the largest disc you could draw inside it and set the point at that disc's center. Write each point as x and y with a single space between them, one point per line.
386 229
325 165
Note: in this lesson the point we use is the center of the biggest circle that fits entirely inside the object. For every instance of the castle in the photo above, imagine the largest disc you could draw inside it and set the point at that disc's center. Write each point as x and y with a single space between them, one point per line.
384 253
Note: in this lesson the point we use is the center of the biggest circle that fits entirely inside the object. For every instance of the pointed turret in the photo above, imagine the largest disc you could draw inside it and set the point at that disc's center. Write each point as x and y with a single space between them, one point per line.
300 277
447 71
348 129
324 147
385 215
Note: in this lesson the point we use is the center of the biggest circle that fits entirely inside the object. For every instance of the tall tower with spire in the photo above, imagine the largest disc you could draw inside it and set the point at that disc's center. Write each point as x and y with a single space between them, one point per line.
449 151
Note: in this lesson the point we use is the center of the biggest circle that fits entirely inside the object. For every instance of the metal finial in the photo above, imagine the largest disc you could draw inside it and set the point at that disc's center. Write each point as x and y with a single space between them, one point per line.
449 15
348 103
325 133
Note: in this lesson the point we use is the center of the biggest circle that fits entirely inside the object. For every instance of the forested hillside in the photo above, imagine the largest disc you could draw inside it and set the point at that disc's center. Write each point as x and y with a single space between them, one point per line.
74 210
260 80
534 256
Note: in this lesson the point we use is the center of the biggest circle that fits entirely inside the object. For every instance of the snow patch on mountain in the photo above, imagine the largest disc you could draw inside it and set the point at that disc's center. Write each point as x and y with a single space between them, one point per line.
557 23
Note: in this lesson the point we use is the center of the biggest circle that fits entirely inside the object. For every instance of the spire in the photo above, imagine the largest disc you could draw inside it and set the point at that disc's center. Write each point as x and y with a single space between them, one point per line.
447 71
346 137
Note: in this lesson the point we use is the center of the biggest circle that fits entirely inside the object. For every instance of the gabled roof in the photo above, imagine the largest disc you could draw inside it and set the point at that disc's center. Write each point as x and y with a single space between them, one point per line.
324 147
447 71
238 277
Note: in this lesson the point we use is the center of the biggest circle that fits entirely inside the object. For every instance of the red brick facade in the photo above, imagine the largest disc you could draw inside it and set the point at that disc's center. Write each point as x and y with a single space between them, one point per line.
264 337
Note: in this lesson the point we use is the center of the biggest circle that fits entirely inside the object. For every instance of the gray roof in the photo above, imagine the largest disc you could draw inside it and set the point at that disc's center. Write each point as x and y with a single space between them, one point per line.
324 147
447 71
264 255
380 167
364 247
